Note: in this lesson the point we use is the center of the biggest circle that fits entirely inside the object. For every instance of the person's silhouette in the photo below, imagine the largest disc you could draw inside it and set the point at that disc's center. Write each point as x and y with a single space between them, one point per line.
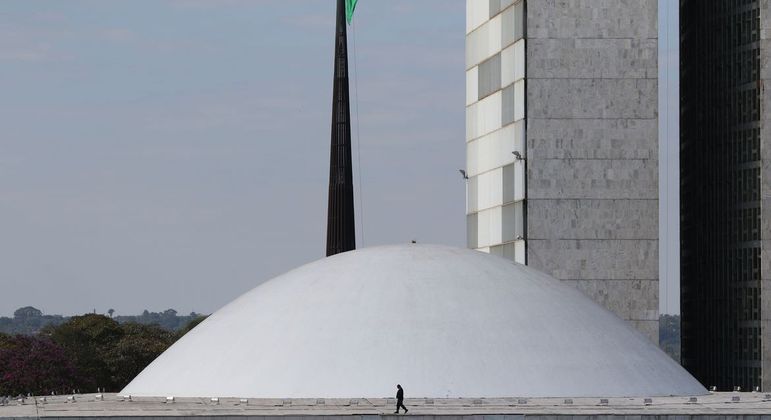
400 399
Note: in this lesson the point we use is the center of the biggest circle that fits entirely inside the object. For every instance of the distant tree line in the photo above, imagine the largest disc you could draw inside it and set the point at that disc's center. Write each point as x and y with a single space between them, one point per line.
30 320
83 353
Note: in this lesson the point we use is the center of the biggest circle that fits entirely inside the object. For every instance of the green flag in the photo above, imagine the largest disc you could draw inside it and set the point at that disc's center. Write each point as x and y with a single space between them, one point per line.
350 6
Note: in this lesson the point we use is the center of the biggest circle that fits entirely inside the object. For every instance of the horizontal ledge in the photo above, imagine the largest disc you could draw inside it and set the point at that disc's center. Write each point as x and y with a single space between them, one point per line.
591 199
591 239
533 158
589 78
656 280
587 198
590 37
527 117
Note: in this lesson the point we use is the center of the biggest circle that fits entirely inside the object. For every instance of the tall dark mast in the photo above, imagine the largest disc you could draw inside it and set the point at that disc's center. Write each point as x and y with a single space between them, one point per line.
341 229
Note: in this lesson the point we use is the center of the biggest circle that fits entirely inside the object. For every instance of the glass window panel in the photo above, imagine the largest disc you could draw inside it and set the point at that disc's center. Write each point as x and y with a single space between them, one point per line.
471 231
495 7
514 251
508 105
508 65
512 222
472 194
489 76
509 180
512 24
490 189
472 85
476 14
484 42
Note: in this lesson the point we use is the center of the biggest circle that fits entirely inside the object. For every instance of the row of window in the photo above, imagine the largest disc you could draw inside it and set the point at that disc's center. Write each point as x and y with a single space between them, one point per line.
479 11
494 35
744 146
496 111
497 187
495 99
495 149
500 70
514 251
495 226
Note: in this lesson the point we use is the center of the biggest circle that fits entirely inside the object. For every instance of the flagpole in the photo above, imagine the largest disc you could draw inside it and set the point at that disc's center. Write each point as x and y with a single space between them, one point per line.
341 228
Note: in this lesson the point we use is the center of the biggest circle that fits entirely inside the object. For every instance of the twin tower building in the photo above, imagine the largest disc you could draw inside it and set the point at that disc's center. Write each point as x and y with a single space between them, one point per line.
562 163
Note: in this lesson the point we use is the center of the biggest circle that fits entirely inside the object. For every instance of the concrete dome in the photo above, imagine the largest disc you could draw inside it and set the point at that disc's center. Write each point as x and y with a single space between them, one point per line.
443 322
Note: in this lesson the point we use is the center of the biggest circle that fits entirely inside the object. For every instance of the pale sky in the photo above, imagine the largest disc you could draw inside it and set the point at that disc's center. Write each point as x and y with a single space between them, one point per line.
669 149
174 153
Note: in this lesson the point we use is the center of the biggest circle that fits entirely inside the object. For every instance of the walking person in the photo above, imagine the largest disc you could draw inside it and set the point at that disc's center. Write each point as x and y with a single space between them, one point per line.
400 399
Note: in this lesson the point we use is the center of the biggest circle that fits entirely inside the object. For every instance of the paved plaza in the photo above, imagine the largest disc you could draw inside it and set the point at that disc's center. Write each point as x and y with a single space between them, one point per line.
756 406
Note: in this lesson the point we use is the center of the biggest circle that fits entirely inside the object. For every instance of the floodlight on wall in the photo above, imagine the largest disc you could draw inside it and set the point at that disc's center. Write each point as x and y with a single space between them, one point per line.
169 400
215 400
243 401
99 397
517 155
127 398
463 173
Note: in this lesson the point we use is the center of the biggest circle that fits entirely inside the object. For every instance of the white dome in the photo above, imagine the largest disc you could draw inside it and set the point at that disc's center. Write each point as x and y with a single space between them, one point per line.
441 321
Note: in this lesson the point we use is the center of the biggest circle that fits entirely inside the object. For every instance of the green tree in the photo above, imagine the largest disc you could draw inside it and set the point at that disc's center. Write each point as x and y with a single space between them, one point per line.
5 341
190 325
86 340
137 348
27 312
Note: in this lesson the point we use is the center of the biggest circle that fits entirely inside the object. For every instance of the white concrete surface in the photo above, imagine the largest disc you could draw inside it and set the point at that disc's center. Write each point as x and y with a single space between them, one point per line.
443 322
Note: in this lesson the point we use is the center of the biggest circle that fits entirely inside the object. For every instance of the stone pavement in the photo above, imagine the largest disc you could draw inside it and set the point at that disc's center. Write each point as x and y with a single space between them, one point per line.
716 406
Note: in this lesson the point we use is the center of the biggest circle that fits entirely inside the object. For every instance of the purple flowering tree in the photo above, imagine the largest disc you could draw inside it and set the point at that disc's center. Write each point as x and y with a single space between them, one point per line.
37 365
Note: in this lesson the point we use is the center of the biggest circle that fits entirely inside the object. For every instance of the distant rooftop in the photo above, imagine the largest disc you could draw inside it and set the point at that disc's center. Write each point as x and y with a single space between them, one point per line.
114 405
